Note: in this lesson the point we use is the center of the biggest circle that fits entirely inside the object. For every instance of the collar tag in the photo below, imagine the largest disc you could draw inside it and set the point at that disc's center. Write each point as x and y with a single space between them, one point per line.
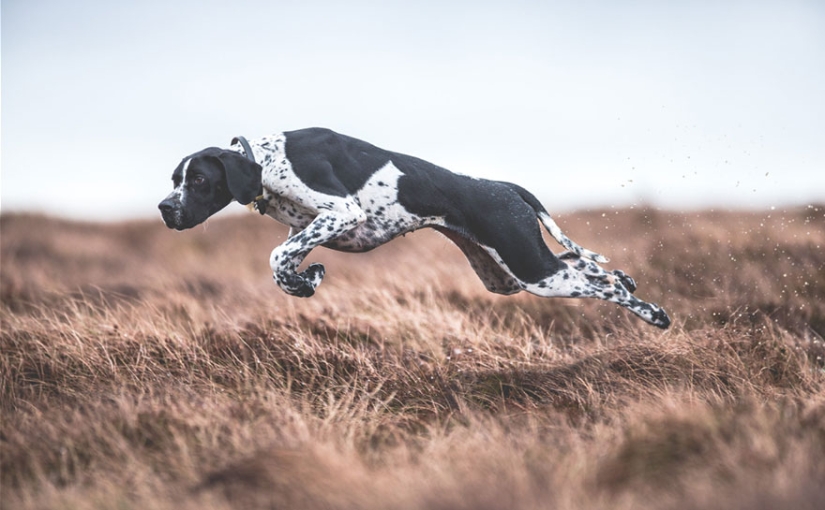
260 204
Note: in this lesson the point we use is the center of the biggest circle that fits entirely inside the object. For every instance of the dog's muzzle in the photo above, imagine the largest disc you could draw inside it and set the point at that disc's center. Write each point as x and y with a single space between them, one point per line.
171 211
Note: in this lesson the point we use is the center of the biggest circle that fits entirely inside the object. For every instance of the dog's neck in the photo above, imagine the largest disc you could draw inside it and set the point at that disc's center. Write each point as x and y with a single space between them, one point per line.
265 150
240 140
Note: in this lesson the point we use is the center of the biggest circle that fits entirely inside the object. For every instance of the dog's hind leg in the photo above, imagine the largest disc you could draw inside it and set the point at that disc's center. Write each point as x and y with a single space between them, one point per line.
489 269
573 283
592 269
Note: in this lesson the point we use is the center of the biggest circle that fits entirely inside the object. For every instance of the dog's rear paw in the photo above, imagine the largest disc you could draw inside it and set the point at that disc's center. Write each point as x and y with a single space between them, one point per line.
661 319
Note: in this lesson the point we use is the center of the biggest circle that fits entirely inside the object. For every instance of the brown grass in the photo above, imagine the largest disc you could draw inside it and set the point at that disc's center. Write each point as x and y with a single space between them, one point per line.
142 368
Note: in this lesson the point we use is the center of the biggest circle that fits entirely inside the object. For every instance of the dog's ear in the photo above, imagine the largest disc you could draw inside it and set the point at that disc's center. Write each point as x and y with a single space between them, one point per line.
243 177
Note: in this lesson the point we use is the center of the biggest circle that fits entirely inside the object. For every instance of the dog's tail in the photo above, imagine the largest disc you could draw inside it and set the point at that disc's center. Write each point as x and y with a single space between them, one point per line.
554 229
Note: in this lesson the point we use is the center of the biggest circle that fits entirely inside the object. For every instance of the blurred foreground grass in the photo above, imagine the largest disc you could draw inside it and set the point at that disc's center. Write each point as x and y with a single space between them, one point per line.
143 368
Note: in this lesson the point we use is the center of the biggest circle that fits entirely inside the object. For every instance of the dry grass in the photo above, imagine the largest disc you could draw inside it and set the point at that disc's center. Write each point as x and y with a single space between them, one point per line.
141 368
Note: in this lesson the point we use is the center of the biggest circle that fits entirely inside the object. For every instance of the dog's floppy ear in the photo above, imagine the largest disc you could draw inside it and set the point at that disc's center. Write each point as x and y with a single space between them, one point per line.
243 177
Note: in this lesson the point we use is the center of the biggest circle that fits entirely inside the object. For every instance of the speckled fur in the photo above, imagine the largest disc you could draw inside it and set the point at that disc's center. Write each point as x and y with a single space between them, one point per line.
356 223
379 211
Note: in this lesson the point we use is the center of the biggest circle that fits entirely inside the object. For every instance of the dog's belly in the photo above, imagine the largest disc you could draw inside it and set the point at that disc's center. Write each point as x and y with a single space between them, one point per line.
371 234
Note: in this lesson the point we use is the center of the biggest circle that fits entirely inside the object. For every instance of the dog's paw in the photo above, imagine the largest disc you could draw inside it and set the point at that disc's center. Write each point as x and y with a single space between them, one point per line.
294 284
314 274
660 319
301 284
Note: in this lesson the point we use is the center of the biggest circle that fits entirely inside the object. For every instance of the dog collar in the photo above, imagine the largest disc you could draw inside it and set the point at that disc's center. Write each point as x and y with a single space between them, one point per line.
259 202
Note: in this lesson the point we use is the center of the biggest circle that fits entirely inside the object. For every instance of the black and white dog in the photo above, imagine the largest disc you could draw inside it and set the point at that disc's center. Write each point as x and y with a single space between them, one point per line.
335 191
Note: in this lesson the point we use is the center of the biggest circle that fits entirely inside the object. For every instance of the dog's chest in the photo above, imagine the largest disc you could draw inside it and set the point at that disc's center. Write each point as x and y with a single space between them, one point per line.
289 200
288 212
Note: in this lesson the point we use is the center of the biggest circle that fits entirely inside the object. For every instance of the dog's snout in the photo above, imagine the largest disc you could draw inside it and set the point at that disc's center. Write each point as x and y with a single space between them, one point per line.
166 206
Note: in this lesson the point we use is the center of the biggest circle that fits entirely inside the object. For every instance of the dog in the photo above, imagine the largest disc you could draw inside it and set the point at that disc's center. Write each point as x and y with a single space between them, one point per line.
342 193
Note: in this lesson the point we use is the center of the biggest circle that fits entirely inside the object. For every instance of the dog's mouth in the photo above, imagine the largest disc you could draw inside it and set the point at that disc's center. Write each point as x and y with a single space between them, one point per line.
175 226
172 220
178 217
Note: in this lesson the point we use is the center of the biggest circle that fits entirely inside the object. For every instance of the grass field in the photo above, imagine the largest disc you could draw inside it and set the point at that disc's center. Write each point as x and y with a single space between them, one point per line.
144 368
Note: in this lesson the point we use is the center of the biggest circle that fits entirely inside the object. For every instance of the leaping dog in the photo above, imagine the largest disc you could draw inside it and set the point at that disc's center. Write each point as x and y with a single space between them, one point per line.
342 193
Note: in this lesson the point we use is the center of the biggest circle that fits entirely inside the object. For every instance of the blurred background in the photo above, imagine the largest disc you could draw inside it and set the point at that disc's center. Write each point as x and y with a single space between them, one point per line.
678 105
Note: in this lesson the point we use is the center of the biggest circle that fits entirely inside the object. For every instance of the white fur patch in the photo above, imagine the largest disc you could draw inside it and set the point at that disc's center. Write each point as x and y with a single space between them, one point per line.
386 218
181 188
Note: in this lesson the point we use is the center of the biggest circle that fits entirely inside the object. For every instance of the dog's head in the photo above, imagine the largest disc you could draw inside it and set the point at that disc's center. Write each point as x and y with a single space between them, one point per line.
205 183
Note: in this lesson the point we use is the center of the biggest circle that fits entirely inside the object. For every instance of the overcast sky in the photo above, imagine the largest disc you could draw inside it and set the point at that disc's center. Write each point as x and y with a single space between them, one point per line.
587 104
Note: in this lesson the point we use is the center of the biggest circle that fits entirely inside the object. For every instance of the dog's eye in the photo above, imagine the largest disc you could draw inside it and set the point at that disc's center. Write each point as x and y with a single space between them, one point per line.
198 180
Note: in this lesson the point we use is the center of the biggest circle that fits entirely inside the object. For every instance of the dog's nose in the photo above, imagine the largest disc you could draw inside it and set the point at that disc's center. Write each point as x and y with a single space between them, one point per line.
166 206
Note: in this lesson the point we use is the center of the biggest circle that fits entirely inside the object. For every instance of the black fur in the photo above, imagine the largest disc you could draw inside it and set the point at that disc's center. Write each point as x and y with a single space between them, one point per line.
213 179
340 192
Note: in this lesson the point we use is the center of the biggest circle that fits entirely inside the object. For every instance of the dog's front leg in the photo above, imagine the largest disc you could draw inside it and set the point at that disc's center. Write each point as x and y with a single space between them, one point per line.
286 258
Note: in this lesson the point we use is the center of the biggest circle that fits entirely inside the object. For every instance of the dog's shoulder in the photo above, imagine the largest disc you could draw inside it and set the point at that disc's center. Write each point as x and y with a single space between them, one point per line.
330 162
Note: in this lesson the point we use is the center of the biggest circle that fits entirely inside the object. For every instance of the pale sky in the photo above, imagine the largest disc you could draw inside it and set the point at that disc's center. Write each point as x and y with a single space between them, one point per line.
587 104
